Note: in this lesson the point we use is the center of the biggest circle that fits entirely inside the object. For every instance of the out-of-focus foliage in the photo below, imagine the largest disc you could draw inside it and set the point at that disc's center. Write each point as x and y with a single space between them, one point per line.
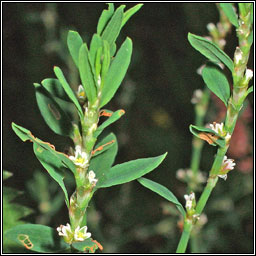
156 97
13 212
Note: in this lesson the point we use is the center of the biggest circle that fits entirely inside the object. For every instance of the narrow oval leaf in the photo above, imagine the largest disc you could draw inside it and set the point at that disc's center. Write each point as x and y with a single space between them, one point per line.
53 166
113 28
102 146
102 163
86 74
95 44
53 115
129 13
230 13
208 135
105 17
106 59
68 90
129 171
210 50
162 191
116 72
24 134
250 90
54 87
217 82
37 238
114 117
74 42
88 245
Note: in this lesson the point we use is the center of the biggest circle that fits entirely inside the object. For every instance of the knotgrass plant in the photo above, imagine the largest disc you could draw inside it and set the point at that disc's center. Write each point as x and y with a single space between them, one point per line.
77 115
216 134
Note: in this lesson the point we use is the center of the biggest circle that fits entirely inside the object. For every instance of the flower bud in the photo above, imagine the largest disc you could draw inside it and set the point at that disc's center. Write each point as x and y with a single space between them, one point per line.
238 55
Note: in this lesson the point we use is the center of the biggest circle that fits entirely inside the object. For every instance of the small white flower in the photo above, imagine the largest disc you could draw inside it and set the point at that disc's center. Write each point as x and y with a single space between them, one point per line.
91 177
238 55
64 230
80 92
81 158
223 176
189 200
228 164
222 42
211 27
248 74
228 137
197 96
200 69
218 128
81 234
181 174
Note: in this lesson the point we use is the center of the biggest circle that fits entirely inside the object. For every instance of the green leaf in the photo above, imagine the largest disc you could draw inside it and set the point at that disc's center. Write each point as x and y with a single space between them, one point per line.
106 59
103 145
128 14
132 170
86 74
13 214
208 135
53 166
112 50
230 13
88 245
6 175
210 50
114 117
74 42
37 238
54 87
250 90
242 8
68 90
102 163
53 115
252 16
162 191
113 28
25 135
14 211
217 82
95 44
105 17
116 72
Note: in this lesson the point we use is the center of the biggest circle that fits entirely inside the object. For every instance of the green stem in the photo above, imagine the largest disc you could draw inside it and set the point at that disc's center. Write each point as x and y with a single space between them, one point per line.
185 236
234 106
206 194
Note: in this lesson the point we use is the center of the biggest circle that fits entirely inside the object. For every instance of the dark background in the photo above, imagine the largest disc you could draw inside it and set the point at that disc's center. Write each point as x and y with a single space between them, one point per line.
156 96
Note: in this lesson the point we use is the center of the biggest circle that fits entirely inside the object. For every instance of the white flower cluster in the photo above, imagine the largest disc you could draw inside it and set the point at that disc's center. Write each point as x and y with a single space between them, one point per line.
189 200
197 96
81 92
219 128
81 158
80 234
227 165
91 176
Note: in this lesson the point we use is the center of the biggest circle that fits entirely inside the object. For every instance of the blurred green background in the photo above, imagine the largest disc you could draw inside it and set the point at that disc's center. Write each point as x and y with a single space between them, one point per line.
156 96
